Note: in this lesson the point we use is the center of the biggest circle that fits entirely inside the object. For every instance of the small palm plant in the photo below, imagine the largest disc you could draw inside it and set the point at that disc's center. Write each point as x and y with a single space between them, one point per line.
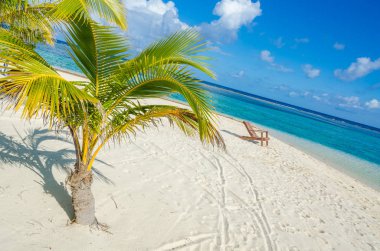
35 21
106 107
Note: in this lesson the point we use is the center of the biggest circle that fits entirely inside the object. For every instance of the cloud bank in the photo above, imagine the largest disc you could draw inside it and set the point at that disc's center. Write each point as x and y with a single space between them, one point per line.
267 57
339 46
310 71
362 67
279 43
233 15
373 104
151 20
239 74
350 102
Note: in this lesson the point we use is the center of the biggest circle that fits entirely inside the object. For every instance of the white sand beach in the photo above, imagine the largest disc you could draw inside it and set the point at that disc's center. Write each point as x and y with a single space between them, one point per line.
165 191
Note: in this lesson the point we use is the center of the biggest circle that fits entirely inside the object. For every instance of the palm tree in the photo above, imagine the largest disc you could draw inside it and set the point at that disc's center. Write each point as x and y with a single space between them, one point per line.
35 21
106 107
29 22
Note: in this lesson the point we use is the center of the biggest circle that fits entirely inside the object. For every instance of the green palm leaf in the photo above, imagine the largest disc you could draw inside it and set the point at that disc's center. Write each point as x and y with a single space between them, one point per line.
98 51
112 11
27 21
135 116
31 83
162 79
35 21
182 47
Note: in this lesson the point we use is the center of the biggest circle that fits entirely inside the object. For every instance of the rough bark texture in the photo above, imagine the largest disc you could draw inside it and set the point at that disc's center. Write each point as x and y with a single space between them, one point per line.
82 198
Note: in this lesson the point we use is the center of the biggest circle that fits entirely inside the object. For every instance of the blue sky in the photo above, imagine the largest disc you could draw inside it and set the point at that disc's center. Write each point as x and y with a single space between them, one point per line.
322 55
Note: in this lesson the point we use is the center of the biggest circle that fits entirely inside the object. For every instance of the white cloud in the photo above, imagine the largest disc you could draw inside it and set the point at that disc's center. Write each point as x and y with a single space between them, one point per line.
293 94
156 6
266 56
151 20
236 13
282 68
339 46
279 43
358 69
300 93
282 87
233 14
347 103
306 93
216 48
316 97
304 40
310 71
239 74
350 102
373 104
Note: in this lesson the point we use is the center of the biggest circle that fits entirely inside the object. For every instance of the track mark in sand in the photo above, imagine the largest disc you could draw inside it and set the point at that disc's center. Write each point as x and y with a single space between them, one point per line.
223 237
260 216
257 215
223 223
206 187
256 221
186 242
182 215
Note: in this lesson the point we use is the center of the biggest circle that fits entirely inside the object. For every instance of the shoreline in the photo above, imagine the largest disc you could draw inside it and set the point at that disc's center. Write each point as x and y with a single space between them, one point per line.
352 175
338 170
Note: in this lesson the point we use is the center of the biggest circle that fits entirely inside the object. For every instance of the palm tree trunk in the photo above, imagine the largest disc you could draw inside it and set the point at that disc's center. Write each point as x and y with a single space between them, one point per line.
82 197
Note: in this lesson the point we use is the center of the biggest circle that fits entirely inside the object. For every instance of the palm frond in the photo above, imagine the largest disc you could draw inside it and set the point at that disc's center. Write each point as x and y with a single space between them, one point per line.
147 79
98 51
113 11
163 69
32 84
182 47
27 21
16 48
128 121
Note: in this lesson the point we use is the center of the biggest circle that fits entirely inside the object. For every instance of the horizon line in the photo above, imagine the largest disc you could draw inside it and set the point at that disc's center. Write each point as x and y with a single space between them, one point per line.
244 93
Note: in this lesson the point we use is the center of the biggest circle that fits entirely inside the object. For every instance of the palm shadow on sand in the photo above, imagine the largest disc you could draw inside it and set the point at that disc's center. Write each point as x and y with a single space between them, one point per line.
29 152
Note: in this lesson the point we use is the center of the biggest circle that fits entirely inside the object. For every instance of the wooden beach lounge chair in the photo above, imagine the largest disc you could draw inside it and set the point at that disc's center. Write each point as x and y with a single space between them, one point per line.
253 136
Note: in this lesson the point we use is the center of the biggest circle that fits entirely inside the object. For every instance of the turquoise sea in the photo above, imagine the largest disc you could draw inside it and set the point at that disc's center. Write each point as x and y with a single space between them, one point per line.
348 146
